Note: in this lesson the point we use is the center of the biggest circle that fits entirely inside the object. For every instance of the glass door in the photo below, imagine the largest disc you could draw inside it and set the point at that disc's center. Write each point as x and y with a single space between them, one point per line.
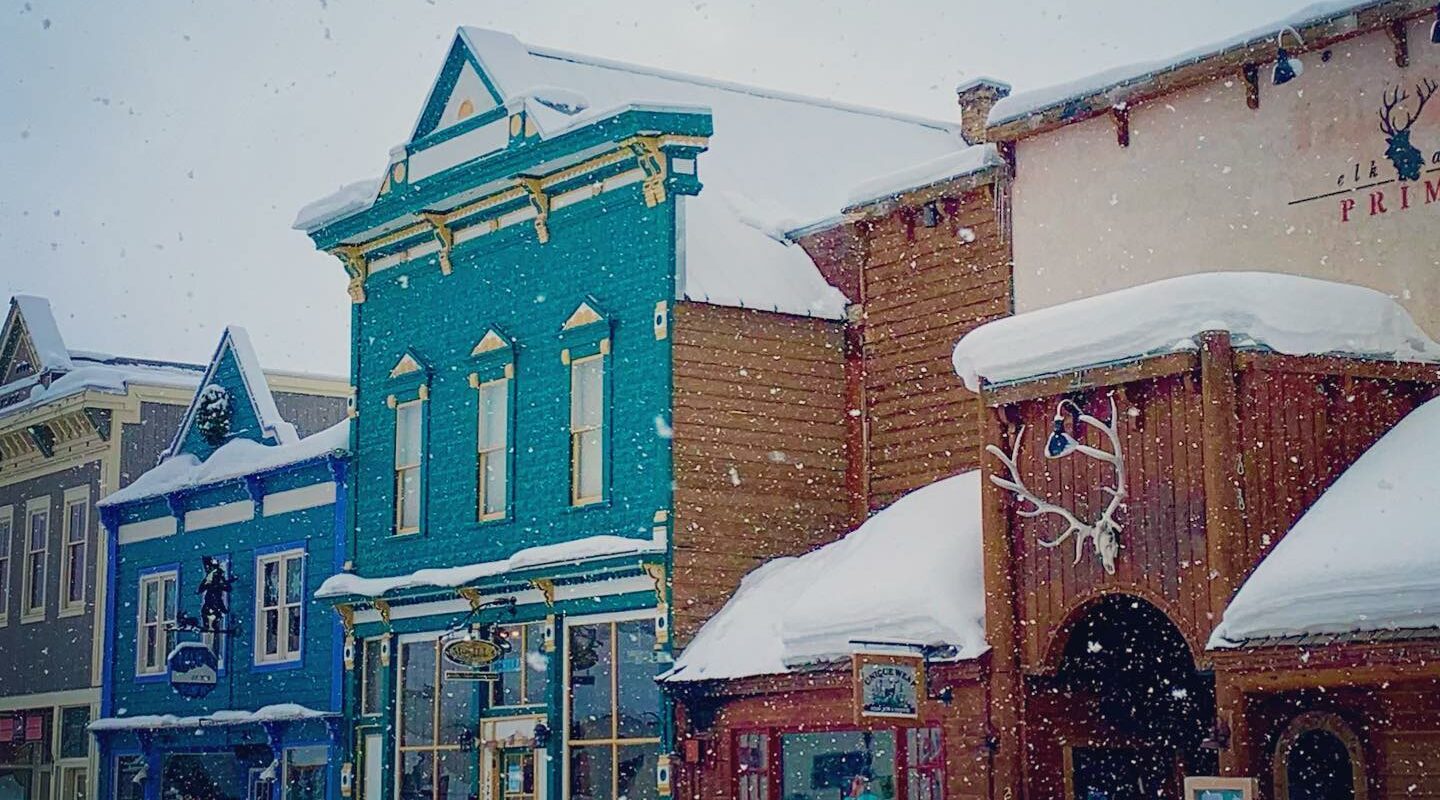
515 774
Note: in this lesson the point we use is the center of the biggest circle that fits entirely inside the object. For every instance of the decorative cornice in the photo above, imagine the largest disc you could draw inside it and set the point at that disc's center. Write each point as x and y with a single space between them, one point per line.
444 236
535 192
356 266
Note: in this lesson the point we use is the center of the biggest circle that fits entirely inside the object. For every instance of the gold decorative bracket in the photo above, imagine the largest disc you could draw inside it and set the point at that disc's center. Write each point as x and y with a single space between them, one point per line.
384 609
541 203
444 236
547 588
347 618
472 596
662 604
657 574
353 257
653 163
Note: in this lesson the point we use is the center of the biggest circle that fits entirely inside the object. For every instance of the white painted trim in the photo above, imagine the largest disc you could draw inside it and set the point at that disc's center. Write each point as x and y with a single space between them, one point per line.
611 616
7 517
148 578
64 697
32 506
319 494
159 527
73 496
223 514
486 139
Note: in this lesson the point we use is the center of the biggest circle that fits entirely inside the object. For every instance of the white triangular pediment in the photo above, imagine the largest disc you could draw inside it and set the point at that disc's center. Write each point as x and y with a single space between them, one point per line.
584 315
468 98
489 343
405 366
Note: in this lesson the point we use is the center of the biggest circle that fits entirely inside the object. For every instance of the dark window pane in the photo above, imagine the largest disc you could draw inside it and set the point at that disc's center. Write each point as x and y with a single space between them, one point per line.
837 764
635 771
591 771
370 666
590 691
639 695
537 664
417 665
74 739
292 644
305 773
456 775
127 769
417 775
460 704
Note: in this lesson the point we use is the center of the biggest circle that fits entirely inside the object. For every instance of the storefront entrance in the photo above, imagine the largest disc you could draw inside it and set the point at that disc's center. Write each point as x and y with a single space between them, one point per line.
515 774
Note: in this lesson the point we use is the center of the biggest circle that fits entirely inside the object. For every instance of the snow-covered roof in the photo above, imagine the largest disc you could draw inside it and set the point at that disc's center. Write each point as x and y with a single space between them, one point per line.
775 161
236 340
232 460
1284 313
928 173
912 574
1365 557
44 332
102 373
571 552
280 712
1118 80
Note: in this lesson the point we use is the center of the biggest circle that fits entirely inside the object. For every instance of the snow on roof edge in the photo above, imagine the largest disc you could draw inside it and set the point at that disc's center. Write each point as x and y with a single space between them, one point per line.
44 330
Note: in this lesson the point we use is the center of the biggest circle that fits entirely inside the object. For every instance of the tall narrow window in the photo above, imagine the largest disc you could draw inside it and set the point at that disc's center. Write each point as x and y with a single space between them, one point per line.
77 538
493 442
408 454
587 439
7 531
37 542
614 733
438 715
157 622
281 578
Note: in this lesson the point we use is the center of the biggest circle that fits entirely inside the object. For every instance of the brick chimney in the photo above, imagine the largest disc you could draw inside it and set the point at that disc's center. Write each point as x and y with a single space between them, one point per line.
977 96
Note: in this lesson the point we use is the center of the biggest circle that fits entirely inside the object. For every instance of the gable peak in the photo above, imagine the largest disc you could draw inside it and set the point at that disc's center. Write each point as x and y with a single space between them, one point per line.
30 341
233 401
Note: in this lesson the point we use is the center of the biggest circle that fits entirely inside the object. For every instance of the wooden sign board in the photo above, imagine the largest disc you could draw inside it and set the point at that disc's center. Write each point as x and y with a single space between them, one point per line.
1203 787
888 685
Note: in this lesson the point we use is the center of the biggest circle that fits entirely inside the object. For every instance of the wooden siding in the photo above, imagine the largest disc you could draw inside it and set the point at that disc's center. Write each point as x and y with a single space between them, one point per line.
759 448
923 288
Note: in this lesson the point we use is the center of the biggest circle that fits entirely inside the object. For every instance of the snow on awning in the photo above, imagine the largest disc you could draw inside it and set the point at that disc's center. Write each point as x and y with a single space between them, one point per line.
572 552
1285 313
910 575
1365 557
281 712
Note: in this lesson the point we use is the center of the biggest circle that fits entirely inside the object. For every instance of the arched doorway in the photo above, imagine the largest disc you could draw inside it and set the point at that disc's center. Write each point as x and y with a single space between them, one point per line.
1319 757
1128 710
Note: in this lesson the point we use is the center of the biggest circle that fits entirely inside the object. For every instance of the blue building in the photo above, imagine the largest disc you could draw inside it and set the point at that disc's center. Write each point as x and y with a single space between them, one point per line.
220 669
591 394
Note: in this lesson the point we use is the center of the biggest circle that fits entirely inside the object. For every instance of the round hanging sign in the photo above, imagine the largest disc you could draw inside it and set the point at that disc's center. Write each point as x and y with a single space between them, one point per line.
193 669
472 652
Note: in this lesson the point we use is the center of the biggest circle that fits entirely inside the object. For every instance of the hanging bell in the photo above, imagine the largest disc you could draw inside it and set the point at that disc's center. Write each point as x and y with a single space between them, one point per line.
1061 443
1285 68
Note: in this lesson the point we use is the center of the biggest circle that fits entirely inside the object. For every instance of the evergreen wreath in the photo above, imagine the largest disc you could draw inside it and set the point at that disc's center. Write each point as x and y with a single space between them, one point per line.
213 413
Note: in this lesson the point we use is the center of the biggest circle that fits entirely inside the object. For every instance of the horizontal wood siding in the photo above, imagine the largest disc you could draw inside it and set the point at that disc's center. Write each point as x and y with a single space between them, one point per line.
759 448
923 288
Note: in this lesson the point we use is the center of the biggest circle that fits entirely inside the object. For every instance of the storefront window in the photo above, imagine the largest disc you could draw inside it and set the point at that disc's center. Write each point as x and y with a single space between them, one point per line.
74 739
128 783
614 711
837 764
926 764
204 776
752 765
370 676
305 772
525 671
438 720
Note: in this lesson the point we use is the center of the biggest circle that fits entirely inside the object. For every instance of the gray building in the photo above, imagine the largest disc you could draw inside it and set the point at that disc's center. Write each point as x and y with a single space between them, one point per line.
74 427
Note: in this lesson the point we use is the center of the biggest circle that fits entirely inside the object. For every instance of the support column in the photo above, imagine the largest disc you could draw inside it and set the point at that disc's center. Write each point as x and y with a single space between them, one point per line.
1224 524
1237 760
1007 710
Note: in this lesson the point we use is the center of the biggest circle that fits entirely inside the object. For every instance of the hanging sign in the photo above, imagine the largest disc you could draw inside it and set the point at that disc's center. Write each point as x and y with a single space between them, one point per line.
888 685
193 669
1200 787
472 652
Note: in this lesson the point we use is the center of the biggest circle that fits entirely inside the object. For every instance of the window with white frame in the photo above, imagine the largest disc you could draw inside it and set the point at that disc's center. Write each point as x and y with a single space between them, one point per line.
281 578
77 540
493 443
37 545
409 452
7 532
587 435
157 621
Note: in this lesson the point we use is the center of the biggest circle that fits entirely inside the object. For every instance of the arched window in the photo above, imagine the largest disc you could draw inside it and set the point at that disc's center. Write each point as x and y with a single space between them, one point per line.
1319 757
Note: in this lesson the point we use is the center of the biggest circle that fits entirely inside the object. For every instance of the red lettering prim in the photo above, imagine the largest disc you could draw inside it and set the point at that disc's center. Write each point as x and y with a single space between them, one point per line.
1404 196
1377 203
1346 206
1432 191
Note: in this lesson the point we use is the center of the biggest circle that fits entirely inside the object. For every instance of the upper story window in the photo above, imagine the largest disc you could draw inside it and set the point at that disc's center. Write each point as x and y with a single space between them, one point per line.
156 634
587 430
492 476
77 541
409 454
279 613
7 532
37 546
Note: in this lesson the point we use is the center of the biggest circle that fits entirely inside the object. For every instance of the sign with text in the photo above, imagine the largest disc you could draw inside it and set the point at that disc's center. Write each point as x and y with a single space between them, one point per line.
193 669
888 685
1203 787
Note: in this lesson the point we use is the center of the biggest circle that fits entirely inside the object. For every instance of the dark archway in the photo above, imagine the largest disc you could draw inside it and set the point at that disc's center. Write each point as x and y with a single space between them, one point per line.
1319 757
1129 705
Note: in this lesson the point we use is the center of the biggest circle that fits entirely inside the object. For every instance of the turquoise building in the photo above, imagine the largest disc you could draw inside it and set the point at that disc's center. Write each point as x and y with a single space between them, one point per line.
515 274
220 548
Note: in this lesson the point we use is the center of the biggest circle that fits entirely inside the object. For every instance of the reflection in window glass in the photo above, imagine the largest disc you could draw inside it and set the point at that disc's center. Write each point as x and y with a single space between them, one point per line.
615 710
837 764
524 671
437 714
926 764
590 682
127 769
370 676
305 773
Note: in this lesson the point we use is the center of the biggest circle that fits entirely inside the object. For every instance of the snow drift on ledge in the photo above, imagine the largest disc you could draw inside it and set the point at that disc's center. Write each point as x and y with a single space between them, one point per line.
911 573
280 712
1284 313
1365 557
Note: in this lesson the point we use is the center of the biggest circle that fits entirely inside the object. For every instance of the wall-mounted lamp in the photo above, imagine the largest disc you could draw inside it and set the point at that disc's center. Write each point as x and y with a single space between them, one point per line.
542 736
1286 67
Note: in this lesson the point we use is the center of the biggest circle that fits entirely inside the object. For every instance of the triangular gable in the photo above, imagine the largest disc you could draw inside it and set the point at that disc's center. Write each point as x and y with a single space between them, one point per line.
461 91
30 342
489 343
409 364
234 373
584 314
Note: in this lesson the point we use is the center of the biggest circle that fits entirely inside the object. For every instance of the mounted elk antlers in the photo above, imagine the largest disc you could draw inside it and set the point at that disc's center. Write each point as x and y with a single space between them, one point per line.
1104 532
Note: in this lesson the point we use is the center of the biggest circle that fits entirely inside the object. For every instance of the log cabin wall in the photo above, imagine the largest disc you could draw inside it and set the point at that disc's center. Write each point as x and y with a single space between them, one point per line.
759 448
821 701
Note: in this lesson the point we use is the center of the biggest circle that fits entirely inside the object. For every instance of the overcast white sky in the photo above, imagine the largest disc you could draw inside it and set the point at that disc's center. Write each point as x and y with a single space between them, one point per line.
153 155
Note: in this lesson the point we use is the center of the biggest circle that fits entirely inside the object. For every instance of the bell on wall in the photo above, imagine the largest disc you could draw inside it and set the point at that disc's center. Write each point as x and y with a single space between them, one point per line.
1287 68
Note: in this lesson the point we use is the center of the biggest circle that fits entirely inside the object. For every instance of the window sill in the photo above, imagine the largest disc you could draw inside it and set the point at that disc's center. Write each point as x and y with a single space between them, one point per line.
150 677
574 508
27 619
277 666
403 534
73 611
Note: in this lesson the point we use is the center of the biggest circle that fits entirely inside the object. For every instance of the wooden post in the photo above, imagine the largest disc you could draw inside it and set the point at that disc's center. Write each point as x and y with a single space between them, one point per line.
1231 711
1006 685
1224 525
857 423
